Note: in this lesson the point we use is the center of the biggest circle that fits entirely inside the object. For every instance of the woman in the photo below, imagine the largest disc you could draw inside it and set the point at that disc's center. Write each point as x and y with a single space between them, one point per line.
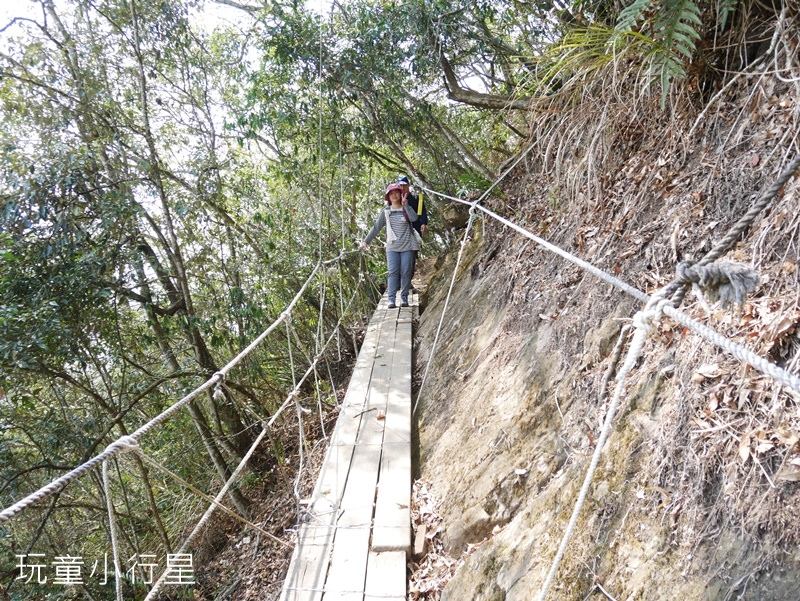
401 242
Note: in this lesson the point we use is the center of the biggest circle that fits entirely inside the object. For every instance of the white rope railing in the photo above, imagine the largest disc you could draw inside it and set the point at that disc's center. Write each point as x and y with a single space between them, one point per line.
585 265
130 443
656 305
464 239
120 444
290 398
737 350
643 322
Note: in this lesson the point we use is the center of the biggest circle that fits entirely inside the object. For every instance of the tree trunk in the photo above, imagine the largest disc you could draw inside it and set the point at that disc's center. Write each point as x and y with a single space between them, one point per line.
194 410
230 416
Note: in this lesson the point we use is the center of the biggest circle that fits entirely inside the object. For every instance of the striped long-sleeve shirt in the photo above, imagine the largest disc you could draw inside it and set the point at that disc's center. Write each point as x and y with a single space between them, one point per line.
404 234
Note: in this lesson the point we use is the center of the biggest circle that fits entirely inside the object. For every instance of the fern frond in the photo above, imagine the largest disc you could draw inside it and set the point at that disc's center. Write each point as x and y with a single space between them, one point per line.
571 67
630 15
674 34
724 10
673 27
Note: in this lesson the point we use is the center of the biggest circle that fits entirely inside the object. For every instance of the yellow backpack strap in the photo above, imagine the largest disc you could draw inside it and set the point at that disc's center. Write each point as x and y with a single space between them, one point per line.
419 204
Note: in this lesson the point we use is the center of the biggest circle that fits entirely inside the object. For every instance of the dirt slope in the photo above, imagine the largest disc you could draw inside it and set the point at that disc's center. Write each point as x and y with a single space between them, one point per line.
696 495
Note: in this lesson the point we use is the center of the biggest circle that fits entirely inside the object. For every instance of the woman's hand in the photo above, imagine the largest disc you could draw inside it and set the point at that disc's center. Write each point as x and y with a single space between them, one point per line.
362 246
404 200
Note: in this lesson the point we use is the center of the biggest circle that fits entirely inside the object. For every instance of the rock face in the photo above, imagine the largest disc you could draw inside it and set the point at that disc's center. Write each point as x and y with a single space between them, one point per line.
509 416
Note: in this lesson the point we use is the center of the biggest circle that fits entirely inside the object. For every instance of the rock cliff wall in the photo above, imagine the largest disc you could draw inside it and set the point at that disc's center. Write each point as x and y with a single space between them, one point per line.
692 498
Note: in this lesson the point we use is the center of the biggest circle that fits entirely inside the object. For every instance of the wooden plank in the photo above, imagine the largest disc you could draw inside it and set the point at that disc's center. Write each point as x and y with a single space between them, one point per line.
381 372
362 371
333 561
348 562
358 493
420 541
386 577
306 575
333 474
398 411
392 529
310 560
347 576
398 422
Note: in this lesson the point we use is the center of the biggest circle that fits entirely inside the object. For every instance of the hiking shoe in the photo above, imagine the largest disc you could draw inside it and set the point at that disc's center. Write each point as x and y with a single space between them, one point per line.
392 306
404 304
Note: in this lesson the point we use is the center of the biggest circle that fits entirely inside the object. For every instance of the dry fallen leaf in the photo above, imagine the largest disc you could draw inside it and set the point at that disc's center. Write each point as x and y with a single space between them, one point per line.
744 448
764 447
703 424
787 436
706 372
789 473
744 395
783 324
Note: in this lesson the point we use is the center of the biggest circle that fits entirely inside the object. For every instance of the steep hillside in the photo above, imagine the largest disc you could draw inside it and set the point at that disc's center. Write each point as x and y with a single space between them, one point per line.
696 495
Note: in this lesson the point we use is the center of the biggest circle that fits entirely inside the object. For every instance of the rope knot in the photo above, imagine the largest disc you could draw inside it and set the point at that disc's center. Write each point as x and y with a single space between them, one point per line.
728 283
124 444
218 395
685 272
642 321
646 319
645 322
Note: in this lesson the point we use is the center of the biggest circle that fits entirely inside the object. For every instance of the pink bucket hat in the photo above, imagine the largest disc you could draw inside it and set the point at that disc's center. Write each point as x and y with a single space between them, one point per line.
391 188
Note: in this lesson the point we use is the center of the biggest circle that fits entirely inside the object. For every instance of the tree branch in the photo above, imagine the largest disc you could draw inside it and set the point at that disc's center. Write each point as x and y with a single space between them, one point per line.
478 99
245 7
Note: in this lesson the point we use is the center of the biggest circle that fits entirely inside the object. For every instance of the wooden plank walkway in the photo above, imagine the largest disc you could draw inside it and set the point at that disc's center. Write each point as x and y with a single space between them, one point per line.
355 540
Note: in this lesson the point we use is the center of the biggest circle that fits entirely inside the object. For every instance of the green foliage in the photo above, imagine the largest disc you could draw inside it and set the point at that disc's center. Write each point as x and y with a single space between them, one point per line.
100 326
725 9
468 183
632 15
153 223
672 26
